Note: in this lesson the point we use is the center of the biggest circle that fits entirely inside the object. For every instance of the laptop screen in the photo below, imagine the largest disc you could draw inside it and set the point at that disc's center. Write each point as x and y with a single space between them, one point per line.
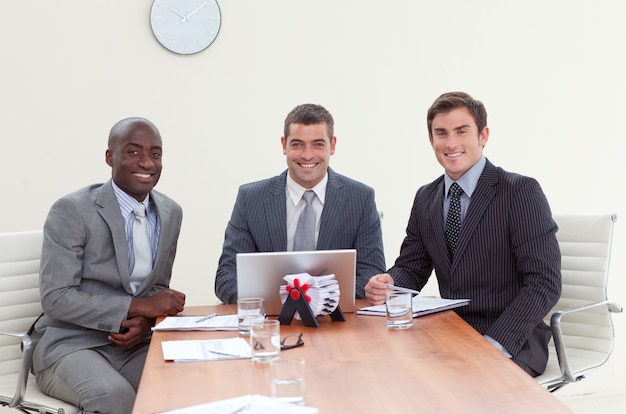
261 274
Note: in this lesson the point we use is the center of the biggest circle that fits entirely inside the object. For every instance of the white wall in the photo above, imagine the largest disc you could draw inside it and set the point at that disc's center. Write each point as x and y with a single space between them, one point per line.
549 73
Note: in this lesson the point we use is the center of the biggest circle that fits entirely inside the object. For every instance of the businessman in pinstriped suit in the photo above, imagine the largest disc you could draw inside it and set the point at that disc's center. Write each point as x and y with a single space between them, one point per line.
266 212
507 259
94 335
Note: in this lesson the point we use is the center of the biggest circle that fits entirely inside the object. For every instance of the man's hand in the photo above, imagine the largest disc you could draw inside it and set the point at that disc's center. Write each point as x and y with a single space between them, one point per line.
165 302
376 288
132 332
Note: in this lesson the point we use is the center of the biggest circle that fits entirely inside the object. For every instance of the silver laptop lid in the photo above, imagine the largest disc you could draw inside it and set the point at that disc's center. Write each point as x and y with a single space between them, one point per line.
261 274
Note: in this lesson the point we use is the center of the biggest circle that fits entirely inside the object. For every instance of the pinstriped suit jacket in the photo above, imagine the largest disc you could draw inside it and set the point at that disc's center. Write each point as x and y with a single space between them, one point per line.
507 260
84 276
259 224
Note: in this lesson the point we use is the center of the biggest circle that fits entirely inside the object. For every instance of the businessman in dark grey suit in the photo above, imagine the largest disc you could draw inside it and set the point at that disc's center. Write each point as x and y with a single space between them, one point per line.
266 212
506 258
98 308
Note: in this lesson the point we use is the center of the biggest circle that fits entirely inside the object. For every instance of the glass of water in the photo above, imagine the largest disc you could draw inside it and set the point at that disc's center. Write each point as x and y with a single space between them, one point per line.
288 380
249 310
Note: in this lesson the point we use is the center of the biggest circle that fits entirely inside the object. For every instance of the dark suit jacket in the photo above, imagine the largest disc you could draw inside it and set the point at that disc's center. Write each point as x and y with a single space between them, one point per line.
84 277
507 260
259 224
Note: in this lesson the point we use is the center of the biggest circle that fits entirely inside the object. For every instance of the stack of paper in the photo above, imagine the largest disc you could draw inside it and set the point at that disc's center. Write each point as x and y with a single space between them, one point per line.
323 291
206 350
248 404
198 323
421 306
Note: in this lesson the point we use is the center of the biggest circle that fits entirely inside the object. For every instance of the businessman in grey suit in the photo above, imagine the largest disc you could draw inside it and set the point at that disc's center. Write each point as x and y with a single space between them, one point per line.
266 213
98 309
506 259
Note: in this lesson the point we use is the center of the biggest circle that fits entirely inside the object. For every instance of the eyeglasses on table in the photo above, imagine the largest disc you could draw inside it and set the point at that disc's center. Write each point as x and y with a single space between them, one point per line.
291 341
288 342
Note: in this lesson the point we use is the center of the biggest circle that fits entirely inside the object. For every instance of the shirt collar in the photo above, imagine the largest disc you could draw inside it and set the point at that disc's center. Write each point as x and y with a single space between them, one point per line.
128 203
295 190
469 180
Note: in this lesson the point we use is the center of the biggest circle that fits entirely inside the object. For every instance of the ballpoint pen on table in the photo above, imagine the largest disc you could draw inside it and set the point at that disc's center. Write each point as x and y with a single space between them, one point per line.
240 409
206 318
401 289
228 354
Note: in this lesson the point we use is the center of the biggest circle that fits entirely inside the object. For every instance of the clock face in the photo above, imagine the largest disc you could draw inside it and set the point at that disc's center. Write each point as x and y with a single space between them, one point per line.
185 26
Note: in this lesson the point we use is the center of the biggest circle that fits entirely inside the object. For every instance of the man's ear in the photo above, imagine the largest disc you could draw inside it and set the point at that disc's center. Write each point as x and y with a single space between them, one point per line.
484 136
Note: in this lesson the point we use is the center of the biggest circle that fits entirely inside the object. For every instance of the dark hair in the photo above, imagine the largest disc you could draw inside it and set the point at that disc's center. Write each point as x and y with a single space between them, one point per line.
310 114
453 100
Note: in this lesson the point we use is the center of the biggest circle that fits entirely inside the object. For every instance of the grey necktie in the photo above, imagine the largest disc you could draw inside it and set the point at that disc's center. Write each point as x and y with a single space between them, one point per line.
305 232
142 250
453 221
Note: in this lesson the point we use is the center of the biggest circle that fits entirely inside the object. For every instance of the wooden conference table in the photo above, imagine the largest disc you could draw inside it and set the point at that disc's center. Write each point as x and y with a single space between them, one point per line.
439 365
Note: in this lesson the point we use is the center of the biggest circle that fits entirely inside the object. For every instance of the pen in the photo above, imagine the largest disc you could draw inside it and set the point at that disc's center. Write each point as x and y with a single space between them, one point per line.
240 409
206 318
213 351
401 289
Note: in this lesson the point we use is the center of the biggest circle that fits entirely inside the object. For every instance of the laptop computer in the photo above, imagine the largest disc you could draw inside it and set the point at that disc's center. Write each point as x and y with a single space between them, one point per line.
261 274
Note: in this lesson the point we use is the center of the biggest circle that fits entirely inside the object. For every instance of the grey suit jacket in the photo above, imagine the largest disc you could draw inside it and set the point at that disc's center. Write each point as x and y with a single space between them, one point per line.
259 224
84 275
507 260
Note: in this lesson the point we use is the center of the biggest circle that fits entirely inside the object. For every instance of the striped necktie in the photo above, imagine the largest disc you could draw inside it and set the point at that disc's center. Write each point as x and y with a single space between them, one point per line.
305 232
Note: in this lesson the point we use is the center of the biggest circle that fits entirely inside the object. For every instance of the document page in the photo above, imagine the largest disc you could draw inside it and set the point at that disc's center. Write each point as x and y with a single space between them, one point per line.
206 350
421 306
198 323
248 404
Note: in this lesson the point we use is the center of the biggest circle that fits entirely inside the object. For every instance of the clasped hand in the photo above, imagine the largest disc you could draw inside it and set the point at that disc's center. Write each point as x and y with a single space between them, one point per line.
166 302
377 287
132 332
142 314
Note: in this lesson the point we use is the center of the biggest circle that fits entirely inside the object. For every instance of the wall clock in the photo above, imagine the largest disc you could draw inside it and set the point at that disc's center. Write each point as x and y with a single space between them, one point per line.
185 26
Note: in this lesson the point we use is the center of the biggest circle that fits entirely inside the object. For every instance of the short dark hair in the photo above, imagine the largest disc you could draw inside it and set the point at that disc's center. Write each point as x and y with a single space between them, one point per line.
310 114
453 100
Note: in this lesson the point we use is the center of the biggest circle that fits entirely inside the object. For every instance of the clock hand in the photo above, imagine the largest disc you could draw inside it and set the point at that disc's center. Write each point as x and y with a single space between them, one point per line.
194 12
177 13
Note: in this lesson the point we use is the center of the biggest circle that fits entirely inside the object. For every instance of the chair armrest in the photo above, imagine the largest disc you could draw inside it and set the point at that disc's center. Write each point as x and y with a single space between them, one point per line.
27 354
559 342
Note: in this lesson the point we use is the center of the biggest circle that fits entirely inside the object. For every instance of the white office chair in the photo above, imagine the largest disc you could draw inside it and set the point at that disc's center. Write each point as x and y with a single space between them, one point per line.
582 329
19 308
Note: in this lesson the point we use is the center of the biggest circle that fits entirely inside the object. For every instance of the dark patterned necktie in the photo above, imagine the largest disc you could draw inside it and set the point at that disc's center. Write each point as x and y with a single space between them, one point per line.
305 232
453 221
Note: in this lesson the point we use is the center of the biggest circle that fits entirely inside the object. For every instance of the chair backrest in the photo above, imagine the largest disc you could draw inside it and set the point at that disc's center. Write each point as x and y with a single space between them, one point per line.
585 241
20 306
19 291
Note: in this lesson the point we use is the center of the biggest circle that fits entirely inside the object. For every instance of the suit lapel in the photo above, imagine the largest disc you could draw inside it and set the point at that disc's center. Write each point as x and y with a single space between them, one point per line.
481 198
436 219
334 205
163 211
275 208
109 210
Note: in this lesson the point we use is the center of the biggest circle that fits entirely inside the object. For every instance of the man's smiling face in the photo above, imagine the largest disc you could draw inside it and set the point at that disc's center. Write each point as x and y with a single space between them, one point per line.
308 149
457 143
135 159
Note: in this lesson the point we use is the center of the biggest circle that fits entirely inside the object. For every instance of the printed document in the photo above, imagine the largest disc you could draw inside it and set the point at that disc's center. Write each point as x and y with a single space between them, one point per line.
206 350
198 323
247 404
421 306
